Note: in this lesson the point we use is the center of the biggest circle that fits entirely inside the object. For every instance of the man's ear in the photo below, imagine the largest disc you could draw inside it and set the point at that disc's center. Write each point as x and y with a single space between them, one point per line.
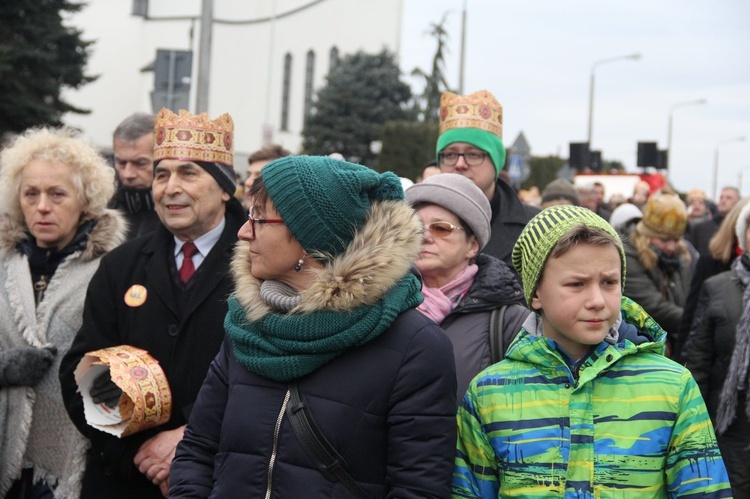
225 196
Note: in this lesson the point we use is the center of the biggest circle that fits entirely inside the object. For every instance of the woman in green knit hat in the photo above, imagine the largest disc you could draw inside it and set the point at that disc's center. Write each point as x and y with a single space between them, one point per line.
324 304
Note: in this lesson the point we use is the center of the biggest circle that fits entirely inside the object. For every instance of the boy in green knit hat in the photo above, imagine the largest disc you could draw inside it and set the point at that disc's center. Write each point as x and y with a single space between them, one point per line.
471 144
585 404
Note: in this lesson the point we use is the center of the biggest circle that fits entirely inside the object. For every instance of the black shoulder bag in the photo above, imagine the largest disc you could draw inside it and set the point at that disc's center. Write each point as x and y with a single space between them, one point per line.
497 345
318 449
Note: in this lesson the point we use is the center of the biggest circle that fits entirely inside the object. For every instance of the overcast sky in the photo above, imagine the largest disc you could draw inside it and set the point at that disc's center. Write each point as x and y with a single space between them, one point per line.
536 57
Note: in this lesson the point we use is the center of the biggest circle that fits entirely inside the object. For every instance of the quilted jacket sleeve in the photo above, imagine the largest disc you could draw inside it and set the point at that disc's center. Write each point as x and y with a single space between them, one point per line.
421 420
191 474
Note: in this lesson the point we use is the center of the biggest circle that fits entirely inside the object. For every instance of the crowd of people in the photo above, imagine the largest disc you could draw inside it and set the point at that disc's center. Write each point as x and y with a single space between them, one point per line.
325 330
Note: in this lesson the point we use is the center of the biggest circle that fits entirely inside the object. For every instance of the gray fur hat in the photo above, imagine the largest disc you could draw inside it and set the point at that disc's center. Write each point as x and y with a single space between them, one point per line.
459 195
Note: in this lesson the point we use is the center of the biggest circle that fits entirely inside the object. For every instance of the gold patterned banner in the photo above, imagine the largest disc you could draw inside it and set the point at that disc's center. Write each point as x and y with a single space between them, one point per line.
146 399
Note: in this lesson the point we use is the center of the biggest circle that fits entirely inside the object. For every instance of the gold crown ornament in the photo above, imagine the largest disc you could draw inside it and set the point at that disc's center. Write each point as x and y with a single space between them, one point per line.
664 217
478 110
191 137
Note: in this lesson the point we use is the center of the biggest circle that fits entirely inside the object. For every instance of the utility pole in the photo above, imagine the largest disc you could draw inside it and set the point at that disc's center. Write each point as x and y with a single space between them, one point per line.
204 56
462 62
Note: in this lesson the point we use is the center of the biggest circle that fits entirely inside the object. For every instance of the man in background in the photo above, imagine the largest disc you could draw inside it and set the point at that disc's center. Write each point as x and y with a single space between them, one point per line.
256 161
702 232
133 145
471 144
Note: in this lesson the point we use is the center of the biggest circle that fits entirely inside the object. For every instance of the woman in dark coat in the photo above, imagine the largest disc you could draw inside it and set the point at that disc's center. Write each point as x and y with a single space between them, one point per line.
325 303
463 287
723 248
718 355
659 263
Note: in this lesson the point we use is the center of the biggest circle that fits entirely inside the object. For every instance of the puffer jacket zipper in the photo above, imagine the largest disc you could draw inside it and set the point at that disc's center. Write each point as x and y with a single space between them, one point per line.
277 429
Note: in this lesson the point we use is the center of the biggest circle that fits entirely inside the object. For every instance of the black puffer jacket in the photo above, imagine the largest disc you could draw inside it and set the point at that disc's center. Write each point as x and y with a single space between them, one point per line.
382 406
710 344
468 325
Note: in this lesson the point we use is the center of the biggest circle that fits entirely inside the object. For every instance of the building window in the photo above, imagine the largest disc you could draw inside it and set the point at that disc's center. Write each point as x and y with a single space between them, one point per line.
309 74
334 59
285 92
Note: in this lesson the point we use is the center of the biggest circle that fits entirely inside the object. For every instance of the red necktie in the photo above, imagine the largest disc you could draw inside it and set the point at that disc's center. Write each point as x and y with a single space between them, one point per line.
188 269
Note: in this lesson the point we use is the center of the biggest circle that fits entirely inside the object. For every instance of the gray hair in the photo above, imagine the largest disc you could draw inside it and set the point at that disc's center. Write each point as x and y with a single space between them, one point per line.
92 177
134 127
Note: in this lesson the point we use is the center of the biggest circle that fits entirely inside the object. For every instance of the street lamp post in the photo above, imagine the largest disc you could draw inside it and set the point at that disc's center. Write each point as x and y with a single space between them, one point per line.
740 176
669 128
716 160
634 57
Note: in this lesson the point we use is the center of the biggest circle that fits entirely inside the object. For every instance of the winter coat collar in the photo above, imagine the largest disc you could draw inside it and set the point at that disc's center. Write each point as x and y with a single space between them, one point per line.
106 234
494 285
638 332
378 257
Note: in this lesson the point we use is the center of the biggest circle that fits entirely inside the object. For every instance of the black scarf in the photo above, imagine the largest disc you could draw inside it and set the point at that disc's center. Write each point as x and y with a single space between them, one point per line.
668 264
43 262
136 200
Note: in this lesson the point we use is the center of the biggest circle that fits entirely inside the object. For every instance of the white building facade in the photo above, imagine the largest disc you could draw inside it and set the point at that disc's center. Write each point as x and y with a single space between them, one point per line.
267 60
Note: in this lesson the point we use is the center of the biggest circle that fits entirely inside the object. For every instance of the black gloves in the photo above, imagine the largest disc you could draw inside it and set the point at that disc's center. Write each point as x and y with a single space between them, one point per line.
24 366
104 390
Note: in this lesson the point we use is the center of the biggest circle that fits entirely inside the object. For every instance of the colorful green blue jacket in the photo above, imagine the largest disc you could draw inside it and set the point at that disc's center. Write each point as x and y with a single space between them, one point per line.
628 423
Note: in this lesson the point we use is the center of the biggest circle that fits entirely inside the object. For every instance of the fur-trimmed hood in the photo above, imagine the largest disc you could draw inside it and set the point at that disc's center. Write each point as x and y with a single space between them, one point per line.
108 233
380 255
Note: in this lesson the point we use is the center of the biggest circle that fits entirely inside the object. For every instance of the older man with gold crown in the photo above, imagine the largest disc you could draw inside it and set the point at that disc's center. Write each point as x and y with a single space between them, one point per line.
471 144
165 294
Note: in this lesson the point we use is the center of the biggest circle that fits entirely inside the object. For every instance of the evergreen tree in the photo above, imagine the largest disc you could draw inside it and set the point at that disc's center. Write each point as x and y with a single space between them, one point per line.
39 57
361 94
544 169
435 83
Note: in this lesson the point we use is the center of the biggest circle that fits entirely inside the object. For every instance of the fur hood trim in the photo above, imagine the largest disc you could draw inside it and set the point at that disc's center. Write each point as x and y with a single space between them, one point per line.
108 233
380 255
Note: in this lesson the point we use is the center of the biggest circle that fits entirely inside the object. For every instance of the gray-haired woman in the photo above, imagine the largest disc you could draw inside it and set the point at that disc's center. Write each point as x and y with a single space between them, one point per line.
54 228
465 291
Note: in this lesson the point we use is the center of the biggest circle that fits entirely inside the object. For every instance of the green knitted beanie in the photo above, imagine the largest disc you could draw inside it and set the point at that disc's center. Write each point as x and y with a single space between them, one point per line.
542 233
323 201
486 141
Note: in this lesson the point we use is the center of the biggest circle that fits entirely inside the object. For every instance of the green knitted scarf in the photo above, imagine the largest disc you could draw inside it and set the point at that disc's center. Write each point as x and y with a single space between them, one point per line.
286 347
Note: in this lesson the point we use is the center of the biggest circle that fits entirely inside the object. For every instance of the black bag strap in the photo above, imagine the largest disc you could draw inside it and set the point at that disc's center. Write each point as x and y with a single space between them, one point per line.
497 347
318 449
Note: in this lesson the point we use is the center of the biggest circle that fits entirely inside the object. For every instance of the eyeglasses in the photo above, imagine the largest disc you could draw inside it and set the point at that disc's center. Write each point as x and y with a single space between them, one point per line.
254 221
472 158
442 229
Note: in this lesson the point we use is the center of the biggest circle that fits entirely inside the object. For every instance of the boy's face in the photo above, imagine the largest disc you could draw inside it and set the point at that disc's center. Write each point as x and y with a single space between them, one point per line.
579 296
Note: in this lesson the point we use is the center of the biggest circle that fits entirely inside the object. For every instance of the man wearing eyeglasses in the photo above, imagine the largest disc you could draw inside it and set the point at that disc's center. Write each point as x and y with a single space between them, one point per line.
165 294
470 144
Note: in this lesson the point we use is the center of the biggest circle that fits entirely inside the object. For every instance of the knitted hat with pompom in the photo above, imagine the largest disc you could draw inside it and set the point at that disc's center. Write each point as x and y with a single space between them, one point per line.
324 201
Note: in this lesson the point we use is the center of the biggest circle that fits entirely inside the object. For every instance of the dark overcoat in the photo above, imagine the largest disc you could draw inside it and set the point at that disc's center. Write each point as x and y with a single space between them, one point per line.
184 336
509 217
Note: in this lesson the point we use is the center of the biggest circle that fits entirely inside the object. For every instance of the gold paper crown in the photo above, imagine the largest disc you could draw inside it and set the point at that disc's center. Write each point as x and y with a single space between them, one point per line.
665 217
478 110
193 137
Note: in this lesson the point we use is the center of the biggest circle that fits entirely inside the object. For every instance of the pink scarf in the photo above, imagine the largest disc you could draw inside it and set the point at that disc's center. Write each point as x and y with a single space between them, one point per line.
439 302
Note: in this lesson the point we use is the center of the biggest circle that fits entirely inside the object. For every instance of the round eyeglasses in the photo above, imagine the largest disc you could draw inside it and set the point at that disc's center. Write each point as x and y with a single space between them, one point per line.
442 229
472 158
254 221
